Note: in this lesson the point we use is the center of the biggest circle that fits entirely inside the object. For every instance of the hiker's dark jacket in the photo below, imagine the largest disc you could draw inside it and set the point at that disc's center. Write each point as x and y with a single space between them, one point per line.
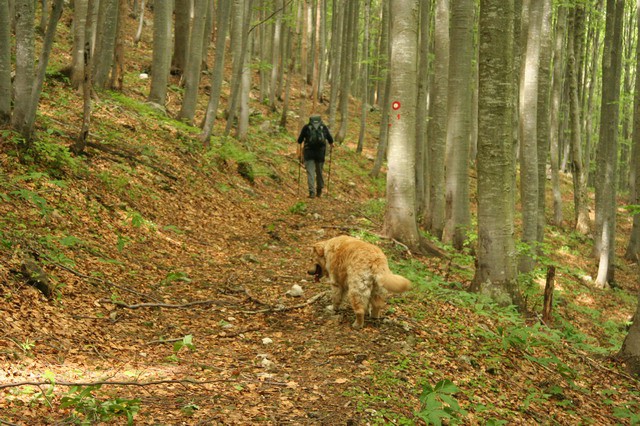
318 153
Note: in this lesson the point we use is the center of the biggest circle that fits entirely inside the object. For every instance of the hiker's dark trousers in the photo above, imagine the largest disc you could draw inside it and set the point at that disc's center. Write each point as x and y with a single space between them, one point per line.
314 176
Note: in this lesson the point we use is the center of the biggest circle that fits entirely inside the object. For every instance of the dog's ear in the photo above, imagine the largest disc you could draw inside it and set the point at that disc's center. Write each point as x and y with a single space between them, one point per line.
318 249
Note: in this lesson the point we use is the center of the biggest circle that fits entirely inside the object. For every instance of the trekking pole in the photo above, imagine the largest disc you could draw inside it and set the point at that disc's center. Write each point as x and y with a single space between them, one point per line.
299 167
329 173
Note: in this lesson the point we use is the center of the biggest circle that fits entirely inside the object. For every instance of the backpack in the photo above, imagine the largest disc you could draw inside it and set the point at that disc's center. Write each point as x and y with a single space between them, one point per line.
316 138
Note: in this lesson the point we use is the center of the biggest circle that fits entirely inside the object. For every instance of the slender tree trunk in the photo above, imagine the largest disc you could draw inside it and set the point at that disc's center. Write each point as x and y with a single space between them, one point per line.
422 171
365 78
435 216
529 185
117 69
633 248
244 19
345 70
138 36
400 217
194 63
81 141
5 63
457 207
182 32
80 8
577 165
224 12
275 52
385 48
105 43
554 127
336 58
496 270
291 46
542 131
630 351
25 59
161 63
607 151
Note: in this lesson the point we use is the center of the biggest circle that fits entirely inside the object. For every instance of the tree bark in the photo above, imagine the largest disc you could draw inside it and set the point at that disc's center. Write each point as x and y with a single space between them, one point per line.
182 31
607 152
400 217
457 206
496 271
224 12
5 63
25 59
633 248
554 127
365 78
630 351
80 8
161 62
105 43
422 169
435 216
194 62
528 104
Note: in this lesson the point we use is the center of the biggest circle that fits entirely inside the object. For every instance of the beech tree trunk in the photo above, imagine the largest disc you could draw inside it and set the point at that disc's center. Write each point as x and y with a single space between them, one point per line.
435 215
194 62
607 152
496 271
400 217
457 207
161 62
5 63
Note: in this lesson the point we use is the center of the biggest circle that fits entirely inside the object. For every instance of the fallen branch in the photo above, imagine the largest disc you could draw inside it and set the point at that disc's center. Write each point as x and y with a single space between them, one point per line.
159 305
106 282
116 383
309 301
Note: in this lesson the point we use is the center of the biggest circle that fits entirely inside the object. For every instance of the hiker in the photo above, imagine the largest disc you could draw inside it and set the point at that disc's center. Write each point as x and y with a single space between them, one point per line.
315 136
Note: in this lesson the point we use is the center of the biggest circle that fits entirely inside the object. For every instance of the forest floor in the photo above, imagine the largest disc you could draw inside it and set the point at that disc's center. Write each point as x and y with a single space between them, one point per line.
171 307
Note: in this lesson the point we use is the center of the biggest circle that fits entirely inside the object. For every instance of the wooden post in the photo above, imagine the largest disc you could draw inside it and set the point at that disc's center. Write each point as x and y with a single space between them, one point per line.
548 297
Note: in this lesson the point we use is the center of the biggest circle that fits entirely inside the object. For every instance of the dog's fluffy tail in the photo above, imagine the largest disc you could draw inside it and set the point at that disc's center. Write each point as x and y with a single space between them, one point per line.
394 283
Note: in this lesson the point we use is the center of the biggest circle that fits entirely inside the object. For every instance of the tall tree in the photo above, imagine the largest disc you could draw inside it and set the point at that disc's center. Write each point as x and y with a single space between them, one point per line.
25 58
5 62
183 10
458 212
422 169
630 351
385 50
435 215
348 45
542 130
633 248
105 42
554 124
365 77
194 62
496 271
577 158
80 8
161 63
528 110
224 11
400 217
607 151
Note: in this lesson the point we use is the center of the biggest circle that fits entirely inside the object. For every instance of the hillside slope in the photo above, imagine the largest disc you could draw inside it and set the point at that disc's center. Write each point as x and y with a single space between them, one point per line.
171 268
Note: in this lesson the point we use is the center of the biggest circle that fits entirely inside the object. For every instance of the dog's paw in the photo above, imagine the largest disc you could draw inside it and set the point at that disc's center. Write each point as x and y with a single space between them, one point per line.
330 309
356 325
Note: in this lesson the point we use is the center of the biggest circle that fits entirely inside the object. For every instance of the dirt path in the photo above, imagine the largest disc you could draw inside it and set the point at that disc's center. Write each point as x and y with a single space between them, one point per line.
255 356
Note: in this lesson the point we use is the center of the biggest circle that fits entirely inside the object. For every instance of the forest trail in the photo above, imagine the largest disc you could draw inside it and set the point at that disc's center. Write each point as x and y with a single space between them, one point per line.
239 255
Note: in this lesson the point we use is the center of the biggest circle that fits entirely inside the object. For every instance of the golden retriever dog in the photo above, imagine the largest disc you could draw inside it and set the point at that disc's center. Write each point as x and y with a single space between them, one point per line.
361 271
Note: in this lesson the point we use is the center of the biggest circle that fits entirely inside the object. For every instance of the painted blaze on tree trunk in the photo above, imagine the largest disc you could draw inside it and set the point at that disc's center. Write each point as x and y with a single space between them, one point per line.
400 217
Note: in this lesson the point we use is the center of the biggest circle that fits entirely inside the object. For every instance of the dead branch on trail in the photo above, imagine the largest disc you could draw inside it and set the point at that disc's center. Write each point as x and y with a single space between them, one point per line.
309 301
116 383
160 305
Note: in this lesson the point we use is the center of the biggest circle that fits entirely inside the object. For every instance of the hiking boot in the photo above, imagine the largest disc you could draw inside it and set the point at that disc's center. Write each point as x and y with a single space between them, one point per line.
319 193
311 194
